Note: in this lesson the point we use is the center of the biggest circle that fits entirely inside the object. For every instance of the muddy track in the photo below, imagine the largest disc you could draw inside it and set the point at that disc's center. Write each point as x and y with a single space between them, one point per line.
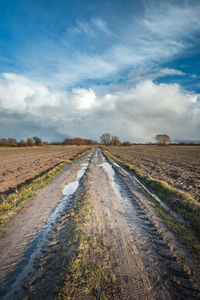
146 259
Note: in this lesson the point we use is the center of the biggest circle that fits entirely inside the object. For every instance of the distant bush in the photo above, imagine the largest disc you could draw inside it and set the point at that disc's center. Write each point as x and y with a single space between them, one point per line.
67 142
22 143
12 142
37 140
115 141
29 142
78 141
53 143
163 139
127 143
8 142
105 138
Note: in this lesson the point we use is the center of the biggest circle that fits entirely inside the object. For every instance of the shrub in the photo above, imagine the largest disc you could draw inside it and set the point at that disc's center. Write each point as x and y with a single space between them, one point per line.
37 140
29 142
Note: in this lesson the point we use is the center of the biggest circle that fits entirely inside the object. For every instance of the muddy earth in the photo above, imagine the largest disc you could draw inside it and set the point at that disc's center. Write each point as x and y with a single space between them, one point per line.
179 166
18 165
145 259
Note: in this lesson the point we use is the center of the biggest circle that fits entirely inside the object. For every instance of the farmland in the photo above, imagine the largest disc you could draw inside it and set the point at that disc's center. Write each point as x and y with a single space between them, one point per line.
179 166
17 165
93 233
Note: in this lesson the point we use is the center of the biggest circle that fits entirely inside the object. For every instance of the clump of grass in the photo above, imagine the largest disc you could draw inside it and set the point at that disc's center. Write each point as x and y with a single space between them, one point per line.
15 202
180 202
80 154
84 273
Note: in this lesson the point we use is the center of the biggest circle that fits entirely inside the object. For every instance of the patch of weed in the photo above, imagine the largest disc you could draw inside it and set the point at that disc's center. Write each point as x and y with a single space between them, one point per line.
15 202
84 273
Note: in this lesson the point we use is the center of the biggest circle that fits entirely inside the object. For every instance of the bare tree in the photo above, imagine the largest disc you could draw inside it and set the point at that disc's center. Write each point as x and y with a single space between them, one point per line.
162 139
37 140
22 143
115 141
12 141
126 143
105 138
29 142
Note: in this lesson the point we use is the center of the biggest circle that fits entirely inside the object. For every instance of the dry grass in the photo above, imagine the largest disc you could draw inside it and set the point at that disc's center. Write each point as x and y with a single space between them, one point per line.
85 274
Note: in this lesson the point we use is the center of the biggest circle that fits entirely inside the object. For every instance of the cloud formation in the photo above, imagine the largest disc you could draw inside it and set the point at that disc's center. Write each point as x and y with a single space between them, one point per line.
95 49
88 72
136 114
91 29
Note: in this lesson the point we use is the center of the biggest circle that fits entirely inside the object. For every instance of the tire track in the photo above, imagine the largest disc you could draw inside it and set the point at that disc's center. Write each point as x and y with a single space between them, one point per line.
33 230
155 247
146 260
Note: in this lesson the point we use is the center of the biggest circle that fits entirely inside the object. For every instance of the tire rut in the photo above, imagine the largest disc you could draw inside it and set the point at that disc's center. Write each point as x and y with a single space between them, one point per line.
144 257
31 231
163 267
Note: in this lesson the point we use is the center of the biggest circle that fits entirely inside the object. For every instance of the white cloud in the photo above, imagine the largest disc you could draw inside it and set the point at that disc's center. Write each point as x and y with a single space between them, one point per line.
91 28
20 93
101 25
169 72
84 99
137 113
172 21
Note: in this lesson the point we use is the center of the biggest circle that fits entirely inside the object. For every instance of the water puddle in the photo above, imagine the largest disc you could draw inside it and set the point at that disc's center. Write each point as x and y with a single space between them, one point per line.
71 188
155 197
17 277
111 174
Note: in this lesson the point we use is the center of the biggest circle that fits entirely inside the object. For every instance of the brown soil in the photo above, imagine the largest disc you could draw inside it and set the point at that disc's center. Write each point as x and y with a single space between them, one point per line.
146 259
22 231
179 166
17 165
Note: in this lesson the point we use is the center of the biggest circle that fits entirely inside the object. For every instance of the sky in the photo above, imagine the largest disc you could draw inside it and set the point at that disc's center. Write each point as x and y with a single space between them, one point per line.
81 68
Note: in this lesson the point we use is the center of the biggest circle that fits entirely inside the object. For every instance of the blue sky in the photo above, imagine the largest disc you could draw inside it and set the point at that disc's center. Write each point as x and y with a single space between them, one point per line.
81 68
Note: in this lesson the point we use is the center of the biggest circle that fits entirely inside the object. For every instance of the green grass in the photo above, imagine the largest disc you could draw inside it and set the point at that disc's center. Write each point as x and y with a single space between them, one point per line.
84 273
15 202
180 202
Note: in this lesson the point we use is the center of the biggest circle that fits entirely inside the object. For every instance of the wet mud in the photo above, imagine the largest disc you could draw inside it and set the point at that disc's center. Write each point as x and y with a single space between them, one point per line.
144 256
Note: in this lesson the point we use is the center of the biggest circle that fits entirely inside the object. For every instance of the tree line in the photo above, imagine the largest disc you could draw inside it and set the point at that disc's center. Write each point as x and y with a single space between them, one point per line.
107 139
36 141
78 141
12 142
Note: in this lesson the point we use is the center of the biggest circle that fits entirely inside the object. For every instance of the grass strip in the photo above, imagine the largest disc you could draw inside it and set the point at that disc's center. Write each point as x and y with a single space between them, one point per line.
85 273
180 202
15 202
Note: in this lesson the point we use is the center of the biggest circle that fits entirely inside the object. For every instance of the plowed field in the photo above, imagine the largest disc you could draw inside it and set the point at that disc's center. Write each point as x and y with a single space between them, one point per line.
100 239
20 164
179 166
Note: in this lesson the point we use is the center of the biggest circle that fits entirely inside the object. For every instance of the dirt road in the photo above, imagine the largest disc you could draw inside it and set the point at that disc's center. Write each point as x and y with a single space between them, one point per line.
145 258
